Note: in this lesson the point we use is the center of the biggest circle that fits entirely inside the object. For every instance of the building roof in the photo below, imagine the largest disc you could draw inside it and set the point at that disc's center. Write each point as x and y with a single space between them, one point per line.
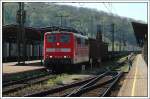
32 34
141 32
10 33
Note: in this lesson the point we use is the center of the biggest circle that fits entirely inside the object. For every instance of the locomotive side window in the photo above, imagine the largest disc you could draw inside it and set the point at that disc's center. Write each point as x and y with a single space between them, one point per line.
51 38
65 38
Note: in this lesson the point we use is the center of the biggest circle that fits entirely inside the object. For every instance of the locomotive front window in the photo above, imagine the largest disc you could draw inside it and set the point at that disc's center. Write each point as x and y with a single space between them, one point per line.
64 38
51 38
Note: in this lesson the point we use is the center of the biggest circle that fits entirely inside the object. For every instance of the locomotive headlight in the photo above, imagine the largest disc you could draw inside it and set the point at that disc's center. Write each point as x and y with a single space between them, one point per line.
50 56
65 56
57 44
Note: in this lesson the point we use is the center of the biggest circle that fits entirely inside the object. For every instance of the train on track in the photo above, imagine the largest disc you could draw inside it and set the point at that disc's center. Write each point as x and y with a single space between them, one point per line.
62 49
62 45
66 49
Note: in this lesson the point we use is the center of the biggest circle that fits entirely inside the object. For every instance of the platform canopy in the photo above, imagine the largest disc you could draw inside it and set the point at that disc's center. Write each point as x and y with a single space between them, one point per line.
141 32
10 33
32 34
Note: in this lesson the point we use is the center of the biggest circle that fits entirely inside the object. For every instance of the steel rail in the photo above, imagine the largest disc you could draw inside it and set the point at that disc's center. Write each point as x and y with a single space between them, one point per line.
85 83
115 79
10 83
57 89
18 86
88 88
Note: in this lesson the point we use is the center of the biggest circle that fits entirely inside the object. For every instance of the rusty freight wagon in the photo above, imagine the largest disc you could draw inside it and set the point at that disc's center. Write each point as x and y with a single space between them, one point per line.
97 50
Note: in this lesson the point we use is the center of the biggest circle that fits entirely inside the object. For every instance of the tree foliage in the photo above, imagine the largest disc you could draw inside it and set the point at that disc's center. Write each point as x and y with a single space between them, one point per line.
83 19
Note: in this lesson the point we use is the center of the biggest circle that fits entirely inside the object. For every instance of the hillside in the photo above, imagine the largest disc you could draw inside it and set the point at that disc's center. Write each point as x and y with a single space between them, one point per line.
83 19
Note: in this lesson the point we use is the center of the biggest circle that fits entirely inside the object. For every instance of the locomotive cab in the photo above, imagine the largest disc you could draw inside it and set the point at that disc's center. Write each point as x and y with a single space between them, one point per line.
62 48
58 48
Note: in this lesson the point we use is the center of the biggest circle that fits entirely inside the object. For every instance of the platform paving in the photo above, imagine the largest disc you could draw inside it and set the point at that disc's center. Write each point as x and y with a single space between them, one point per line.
136 81
11 67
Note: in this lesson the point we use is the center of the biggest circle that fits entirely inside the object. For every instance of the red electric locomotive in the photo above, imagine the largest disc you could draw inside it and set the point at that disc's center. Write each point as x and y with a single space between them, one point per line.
61 47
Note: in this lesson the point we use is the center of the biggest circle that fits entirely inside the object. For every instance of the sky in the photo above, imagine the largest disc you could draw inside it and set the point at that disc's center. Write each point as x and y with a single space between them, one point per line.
137 11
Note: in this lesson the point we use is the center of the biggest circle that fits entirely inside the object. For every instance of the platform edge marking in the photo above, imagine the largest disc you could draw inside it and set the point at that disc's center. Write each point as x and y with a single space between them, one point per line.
134 82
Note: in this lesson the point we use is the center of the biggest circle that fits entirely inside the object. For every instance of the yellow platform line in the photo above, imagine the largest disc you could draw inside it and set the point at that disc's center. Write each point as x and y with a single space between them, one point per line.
134 82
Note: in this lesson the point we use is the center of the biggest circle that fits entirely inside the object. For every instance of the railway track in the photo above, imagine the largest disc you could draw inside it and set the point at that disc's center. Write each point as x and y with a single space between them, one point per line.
8 83
100 89
12 86
103 81
99 84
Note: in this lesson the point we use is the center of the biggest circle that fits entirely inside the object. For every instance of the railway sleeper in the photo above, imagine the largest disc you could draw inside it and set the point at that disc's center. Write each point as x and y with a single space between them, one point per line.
80 91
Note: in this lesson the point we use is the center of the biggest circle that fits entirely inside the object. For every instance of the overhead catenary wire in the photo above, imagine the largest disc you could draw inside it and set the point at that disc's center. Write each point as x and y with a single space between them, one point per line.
109 10
112 8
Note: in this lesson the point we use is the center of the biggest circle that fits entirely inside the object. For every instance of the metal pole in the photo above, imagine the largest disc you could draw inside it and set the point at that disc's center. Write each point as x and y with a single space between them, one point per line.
99 33
61 19
103 37
3 16
41 48
92 26
21 34
120 41
123 42
19 31
113 37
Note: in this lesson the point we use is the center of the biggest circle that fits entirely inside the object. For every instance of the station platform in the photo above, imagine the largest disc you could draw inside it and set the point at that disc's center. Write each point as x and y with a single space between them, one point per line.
12 68
136 81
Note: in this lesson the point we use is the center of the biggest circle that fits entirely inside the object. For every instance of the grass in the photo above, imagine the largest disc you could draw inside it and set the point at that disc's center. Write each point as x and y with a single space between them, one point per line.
58 80
112 64
123 68
122 58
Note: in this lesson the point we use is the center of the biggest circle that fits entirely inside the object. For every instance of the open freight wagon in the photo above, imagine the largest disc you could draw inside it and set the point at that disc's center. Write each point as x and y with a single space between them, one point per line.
97 51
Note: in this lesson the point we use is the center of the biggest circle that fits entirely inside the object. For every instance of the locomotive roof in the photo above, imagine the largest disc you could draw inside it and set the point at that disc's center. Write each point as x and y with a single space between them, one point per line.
76 34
